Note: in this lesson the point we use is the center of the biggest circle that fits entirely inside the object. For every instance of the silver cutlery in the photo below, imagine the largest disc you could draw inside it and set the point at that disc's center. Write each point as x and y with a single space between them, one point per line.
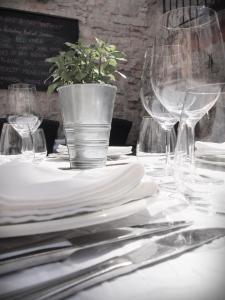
149 253
59 249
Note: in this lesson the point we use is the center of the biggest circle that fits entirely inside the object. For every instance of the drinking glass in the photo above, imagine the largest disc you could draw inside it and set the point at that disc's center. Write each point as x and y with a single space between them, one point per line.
10 143
200 60
39 142
24 113
154 107
204 183
152 146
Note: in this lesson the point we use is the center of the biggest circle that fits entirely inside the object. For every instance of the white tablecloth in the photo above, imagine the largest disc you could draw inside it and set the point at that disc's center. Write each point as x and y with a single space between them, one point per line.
198 275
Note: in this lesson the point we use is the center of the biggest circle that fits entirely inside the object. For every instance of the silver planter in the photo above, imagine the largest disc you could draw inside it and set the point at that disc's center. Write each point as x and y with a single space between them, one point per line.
87 111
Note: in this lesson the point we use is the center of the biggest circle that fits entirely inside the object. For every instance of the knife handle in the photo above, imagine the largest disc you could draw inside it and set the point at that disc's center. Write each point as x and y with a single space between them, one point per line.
62 287
28 261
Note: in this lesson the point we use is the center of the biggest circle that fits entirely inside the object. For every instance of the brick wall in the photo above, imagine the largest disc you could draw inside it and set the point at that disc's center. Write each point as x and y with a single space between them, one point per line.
129 24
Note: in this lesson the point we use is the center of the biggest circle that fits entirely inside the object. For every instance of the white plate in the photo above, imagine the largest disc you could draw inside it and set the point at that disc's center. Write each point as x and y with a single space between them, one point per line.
74 222
60 156
114 152
211 161
209 157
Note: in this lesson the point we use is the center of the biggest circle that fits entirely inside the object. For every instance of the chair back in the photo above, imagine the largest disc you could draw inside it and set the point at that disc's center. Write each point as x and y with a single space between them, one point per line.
50 128
120 129
2 121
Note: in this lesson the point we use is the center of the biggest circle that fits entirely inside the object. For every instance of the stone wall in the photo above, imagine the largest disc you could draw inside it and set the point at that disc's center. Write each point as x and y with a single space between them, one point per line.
129 24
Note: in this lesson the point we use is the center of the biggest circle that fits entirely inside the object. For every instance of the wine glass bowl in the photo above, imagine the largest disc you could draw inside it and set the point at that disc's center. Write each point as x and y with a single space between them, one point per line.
190 47
199 100
149 100
167 77
24 114
23 107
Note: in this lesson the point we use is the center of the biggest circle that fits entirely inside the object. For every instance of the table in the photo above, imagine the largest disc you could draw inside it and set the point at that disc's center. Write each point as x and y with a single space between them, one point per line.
196 275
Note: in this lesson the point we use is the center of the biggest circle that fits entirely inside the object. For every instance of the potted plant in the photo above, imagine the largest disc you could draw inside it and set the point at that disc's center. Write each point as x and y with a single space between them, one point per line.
83 76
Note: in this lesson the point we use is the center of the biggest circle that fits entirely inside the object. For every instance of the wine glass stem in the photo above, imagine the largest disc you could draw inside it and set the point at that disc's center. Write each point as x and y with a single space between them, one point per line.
191 144
168 132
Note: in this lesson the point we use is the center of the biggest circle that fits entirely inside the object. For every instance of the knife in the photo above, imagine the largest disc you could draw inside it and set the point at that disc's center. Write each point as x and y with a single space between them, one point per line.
60 249
148 254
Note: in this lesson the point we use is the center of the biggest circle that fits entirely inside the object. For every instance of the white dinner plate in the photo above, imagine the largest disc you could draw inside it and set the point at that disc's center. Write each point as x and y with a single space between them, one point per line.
114 152
75 222
214 162
58 156
210 157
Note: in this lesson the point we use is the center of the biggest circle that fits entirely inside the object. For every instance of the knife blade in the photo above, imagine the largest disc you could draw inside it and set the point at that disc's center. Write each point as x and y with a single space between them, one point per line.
60 249
148 254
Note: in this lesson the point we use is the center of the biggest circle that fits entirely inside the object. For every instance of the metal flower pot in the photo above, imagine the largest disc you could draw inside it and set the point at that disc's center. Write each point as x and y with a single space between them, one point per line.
87 111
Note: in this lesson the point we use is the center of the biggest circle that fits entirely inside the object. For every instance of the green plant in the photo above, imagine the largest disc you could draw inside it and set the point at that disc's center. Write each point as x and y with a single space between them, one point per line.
95 63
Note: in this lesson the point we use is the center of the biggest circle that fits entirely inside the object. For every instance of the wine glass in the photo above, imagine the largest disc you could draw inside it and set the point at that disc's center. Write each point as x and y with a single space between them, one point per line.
24 114
154 107
200 60
204 185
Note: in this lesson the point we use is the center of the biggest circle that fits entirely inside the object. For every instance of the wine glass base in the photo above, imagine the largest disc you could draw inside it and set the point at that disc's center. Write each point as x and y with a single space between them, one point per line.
27 156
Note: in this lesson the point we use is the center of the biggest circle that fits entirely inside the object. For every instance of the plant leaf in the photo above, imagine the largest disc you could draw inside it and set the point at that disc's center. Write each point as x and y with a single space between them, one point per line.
83 63
51 88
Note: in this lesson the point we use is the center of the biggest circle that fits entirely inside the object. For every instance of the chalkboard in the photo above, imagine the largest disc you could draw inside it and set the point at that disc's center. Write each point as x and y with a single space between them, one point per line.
26 40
